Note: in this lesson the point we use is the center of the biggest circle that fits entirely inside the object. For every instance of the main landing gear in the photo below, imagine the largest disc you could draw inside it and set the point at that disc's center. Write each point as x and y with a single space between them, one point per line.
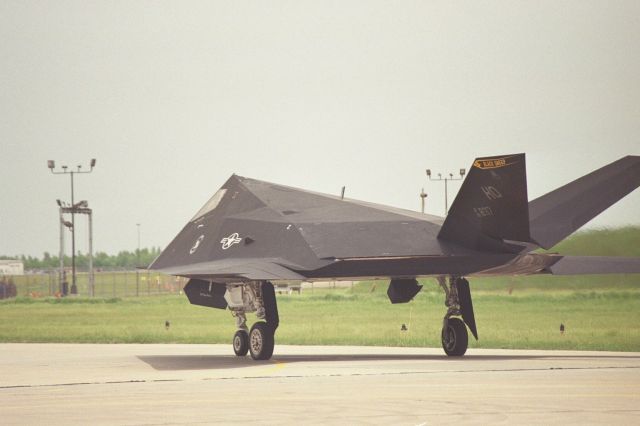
455 338
258 297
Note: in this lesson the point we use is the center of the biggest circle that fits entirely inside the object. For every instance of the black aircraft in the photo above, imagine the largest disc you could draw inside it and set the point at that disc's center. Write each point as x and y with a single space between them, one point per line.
251 233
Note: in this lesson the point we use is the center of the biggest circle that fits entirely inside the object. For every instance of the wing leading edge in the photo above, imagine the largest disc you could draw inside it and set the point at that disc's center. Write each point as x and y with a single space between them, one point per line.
249 269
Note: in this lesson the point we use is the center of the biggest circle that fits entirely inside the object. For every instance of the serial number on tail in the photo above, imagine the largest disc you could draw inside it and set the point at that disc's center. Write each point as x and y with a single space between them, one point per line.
483 211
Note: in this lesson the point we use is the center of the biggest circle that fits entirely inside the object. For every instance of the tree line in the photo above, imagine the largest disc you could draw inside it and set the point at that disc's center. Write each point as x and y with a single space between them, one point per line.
101 260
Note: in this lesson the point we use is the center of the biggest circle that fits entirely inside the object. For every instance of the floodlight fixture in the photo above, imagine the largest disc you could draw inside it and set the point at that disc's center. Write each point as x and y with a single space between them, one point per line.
446 179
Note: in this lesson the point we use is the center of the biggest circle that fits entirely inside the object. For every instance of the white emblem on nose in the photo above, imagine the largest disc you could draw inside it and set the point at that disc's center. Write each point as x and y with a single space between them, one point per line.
196 244
230 240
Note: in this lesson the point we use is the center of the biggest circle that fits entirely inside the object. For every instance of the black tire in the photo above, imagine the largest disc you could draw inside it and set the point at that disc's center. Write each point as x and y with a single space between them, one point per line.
241 342
455 338
261 341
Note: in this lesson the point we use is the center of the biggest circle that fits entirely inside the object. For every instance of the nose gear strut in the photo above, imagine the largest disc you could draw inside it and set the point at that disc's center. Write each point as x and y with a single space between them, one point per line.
258 297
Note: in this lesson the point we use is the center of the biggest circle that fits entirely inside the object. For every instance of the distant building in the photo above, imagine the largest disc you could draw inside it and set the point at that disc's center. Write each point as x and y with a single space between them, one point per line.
11 267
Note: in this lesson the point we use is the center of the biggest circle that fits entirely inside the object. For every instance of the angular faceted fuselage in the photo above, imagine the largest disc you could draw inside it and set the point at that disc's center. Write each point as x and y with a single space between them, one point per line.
252 230
317 236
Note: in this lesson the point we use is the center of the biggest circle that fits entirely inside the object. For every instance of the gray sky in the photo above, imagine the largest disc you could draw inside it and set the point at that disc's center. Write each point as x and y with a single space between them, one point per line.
173 97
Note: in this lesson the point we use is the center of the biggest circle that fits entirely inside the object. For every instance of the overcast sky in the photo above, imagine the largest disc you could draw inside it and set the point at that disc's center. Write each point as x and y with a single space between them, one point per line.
173 97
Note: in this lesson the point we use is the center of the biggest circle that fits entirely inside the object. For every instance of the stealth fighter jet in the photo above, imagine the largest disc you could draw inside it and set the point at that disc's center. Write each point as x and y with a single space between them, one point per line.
252 233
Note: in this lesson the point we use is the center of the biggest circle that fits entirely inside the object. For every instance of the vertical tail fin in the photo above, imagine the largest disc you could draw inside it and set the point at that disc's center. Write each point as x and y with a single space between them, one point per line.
559 213
492 204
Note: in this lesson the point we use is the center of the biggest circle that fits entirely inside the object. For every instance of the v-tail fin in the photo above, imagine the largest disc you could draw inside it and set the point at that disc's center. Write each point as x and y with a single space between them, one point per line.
491 205
556 215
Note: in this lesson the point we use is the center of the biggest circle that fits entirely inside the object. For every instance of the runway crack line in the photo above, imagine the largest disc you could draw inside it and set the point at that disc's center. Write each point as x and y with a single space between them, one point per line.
299 376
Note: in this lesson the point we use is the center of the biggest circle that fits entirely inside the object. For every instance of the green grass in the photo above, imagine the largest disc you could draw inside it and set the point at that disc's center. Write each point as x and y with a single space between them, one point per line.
623 241
598 320
599 312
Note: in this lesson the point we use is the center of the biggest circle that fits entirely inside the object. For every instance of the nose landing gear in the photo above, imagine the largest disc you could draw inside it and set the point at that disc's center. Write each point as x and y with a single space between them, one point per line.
241 342
261 341
258 297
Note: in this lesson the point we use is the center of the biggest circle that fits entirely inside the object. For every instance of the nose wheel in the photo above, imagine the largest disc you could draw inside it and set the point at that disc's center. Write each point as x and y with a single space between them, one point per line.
241 343
261 341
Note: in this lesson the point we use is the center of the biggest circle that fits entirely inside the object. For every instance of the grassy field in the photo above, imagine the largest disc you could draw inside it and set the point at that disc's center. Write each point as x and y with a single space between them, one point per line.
594 319
599 312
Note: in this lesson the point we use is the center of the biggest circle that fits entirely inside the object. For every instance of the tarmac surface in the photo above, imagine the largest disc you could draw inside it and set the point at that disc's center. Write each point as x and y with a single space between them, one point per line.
206 384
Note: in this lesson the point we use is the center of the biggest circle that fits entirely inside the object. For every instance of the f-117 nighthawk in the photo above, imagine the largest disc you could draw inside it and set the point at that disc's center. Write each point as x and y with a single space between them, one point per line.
252 233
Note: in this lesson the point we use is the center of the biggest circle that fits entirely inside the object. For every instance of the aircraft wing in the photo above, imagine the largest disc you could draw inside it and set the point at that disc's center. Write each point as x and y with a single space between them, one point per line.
238 269
578 265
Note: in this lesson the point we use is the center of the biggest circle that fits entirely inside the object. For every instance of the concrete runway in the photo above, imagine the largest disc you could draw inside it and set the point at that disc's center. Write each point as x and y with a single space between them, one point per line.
203 384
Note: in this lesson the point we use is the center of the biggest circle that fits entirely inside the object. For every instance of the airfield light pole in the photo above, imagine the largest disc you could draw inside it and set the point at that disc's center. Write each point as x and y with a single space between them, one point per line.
138 263
51 165
423 196
446 180
62 277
